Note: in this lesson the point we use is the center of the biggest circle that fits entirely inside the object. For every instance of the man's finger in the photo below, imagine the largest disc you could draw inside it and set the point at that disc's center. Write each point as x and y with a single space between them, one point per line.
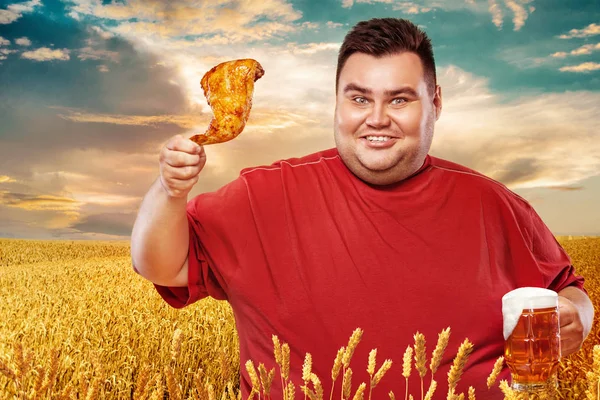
179 143
181 159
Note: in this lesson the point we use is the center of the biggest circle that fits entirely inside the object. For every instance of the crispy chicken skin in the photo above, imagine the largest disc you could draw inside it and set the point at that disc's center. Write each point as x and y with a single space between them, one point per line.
228 87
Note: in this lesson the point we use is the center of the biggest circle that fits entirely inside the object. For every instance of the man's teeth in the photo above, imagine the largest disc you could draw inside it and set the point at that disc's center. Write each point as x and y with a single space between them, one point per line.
378 138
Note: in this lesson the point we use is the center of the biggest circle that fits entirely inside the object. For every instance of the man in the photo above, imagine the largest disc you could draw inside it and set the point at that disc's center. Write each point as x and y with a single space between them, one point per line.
374 234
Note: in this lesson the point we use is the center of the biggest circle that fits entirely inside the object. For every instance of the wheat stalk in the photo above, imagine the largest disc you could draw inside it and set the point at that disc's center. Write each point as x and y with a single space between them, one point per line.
266 379
431 390
347 384
371 369
176 344
495 372
407 360
141 383
438 352
290 391
306 370
360 392
352 343
337 366
471 393
458 366
420 358
253 378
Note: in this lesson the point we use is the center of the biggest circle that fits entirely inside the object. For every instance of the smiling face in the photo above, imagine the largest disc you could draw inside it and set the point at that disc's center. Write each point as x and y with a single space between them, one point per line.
384 116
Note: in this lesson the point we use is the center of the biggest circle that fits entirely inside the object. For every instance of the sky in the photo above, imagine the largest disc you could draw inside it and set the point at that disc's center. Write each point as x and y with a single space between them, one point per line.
91 90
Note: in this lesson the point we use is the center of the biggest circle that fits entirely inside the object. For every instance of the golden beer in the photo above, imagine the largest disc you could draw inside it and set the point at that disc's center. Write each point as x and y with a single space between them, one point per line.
532 348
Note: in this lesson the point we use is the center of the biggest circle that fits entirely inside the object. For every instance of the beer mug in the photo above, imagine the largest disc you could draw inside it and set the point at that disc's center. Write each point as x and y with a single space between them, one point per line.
531 338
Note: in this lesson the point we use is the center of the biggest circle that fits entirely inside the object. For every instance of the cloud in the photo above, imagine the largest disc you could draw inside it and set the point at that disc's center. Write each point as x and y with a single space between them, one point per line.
183 121
46 54
89 53
311 48
6 179
496 12
590 30
234 22
5 52
522 139
104 34
519 9
520 14
331 24
39 202
23 41
583 50
103 68
119 224
566 188
410 8
584 67
15 11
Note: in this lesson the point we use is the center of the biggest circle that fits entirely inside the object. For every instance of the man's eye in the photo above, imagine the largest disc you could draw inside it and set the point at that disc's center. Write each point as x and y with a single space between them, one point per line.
360 100
399 100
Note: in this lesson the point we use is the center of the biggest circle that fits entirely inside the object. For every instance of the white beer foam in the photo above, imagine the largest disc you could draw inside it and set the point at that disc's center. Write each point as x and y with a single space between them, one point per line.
515 301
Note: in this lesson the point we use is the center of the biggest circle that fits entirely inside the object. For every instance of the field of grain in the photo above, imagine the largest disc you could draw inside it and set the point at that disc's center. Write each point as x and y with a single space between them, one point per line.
76 322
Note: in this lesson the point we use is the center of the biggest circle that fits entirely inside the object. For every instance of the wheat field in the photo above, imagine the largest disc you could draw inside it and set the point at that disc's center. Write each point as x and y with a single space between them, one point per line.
77 323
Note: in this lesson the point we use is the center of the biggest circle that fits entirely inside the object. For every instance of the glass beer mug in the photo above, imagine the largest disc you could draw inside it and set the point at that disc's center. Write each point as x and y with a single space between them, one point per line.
531 338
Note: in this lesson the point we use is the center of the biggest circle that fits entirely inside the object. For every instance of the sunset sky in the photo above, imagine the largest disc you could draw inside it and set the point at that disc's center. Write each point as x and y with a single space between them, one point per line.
91 90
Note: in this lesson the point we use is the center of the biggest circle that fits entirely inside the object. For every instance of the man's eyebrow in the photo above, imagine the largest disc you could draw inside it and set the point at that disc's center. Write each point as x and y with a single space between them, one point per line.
403 90
352 87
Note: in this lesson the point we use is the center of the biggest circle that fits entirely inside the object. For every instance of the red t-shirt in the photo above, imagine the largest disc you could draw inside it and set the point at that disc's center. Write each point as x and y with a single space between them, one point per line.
305 250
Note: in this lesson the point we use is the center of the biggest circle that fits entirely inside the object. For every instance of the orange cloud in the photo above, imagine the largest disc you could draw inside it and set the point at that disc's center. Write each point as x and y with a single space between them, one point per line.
46 54
40 202
237 20
184 121
6 179
590 30
584 67
583 50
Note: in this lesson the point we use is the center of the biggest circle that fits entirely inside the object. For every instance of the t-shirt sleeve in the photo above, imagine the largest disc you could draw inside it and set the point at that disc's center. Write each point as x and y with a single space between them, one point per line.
553 262
216 229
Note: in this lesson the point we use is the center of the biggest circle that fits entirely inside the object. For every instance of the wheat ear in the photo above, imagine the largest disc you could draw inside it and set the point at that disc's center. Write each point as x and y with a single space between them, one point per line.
347 384
360 392
253 377
458 366
431 390
371 369
335 371
495 372
438 352
407 359
420 358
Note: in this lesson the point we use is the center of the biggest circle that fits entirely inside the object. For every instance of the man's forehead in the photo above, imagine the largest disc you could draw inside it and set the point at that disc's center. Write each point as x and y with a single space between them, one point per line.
383 74
405 66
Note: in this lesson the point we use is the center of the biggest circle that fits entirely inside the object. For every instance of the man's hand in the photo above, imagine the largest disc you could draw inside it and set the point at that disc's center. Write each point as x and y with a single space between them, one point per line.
576 313
181 160
571 328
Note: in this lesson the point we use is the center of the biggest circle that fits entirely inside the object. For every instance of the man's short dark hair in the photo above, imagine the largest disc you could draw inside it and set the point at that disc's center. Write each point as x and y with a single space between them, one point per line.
388 36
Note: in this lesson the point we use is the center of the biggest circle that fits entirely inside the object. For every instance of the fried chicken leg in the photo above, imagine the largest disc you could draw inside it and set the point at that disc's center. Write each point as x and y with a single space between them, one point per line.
228 87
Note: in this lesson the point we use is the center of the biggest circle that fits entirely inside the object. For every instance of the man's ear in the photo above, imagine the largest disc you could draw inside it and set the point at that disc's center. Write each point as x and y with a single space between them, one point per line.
437 101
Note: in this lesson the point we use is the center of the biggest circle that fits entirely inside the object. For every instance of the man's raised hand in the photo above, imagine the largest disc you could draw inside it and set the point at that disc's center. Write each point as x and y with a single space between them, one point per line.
181 160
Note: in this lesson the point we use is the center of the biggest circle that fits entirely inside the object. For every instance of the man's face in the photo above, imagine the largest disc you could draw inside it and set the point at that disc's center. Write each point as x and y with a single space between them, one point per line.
384 116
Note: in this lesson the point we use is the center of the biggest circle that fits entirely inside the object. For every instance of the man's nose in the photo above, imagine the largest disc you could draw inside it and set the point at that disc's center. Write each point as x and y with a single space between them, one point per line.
378 117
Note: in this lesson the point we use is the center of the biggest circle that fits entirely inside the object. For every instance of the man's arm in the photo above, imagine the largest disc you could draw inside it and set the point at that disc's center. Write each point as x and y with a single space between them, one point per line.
576 314
160 236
